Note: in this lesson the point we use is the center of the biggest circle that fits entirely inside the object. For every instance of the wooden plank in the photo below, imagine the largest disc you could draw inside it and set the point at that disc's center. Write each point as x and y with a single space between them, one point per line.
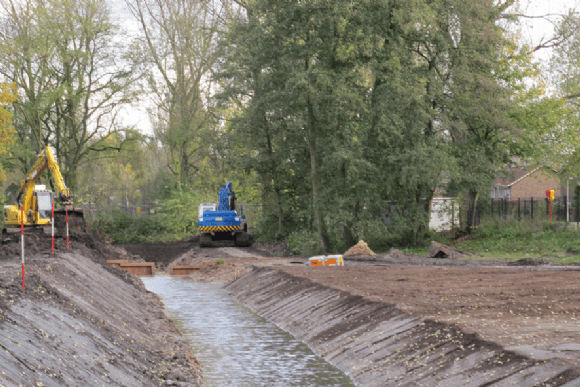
139 268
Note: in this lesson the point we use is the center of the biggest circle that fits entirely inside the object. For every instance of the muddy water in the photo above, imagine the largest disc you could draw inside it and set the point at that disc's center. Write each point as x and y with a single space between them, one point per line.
235 346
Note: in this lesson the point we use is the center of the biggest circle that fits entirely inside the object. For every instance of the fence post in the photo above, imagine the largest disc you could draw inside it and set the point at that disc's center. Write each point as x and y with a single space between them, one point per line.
519 214
547 207
532 207
453 214
492 207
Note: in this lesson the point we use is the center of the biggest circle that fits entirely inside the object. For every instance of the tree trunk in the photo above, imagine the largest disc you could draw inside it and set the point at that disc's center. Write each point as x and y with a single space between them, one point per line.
474 208
320 223
348 237
273 178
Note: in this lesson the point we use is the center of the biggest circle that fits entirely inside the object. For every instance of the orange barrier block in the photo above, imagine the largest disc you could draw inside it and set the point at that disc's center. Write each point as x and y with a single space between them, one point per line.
333 260
139 268
185 270
316 261
326 260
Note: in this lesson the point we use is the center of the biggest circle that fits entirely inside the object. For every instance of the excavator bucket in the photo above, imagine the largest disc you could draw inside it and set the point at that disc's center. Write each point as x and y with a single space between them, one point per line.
76 219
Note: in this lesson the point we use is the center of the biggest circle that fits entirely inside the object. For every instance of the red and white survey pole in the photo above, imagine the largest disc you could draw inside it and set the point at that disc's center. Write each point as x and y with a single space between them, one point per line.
22 241
52 226
66 212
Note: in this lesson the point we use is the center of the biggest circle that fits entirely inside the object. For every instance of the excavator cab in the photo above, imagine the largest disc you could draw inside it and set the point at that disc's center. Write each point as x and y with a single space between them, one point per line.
39 212
43 199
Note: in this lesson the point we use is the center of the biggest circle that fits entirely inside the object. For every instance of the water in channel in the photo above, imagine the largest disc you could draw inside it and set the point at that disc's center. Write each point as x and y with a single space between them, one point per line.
236 347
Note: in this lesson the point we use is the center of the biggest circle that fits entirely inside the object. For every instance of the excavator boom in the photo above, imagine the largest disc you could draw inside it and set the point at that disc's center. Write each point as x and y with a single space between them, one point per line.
32 202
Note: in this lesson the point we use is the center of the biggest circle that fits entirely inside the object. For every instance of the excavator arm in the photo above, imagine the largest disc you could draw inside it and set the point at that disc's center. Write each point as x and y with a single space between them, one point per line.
45 159
35 206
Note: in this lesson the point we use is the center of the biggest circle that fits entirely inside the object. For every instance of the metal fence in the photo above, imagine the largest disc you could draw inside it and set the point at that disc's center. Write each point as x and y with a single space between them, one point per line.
530 208
253 212
90 209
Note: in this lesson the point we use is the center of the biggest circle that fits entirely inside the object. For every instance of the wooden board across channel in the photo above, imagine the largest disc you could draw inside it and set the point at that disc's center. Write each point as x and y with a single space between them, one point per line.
139 268
185 270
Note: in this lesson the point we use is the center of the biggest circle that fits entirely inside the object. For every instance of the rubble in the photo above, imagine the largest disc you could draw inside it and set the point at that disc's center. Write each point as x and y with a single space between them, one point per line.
439 250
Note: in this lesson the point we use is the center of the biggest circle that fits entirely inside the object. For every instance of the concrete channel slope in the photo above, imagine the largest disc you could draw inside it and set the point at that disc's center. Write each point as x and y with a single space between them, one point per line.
379 345
82 323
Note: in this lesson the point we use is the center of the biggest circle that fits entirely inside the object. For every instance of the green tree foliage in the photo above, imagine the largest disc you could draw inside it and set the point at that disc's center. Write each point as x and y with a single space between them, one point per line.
178 39
564 139
356 111
7 97
176 219
73 72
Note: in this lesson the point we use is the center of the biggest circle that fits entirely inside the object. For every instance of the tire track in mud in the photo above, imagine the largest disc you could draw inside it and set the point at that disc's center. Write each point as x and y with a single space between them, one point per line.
378 344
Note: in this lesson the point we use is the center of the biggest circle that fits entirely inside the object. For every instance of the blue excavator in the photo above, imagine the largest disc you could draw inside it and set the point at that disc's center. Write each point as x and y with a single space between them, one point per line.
221 221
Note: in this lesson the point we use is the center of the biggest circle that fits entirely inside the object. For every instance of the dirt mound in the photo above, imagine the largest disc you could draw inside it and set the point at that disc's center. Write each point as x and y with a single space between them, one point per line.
528 262
275 249
81 322
361 249
188 252
160 253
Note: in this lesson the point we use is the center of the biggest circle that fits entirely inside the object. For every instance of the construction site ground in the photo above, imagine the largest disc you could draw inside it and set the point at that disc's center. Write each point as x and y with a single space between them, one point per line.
530 308
85 323
80 322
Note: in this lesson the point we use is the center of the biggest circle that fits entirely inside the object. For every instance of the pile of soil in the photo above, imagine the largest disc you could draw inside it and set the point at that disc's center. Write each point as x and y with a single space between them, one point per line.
81 322
188 252
234 268
160 253
273 249
528 262
361 249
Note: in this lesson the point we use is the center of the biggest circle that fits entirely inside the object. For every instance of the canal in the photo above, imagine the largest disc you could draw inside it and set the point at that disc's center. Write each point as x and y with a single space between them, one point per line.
235 346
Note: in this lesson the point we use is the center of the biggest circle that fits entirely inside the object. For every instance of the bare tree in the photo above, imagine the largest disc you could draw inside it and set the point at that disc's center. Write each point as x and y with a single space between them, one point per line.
180 39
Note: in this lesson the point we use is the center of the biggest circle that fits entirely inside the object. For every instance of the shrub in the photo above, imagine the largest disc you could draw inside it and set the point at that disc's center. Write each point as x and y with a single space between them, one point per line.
120 227
305 243
574 246
176 220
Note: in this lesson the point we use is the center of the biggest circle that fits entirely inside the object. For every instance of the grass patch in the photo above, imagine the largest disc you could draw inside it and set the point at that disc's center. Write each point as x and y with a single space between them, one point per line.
511 239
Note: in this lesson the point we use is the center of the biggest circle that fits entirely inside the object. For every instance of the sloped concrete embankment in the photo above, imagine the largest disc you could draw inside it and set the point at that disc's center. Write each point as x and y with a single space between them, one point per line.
379 345
81 323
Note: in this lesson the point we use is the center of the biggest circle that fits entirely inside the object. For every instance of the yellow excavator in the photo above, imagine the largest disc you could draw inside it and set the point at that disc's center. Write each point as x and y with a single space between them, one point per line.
35 201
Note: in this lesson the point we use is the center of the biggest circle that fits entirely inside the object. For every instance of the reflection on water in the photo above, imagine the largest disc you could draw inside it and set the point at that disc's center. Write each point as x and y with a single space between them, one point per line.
235 346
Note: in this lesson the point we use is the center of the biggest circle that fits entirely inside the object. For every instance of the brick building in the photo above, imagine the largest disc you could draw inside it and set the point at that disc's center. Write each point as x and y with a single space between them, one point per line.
525 184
